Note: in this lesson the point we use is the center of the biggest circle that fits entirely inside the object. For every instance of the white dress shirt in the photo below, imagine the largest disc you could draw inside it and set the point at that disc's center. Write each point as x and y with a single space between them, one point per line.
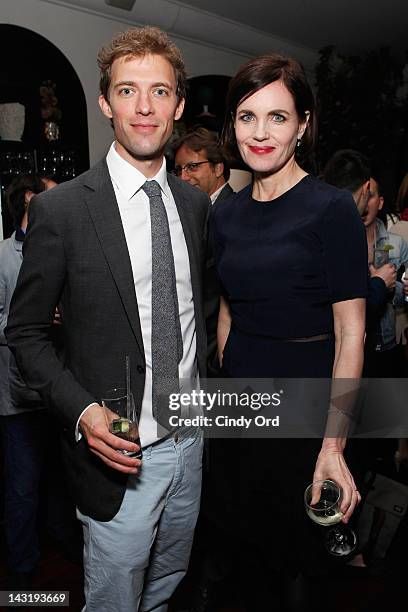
134 210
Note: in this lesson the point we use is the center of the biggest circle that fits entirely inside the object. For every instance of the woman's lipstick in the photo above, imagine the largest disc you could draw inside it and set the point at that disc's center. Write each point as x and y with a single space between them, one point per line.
261 150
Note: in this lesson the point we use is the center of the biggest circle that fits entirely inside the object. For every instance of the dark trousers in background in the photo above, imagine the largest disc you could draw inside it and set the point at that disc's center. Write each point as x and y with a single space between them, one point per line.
24 445
36 494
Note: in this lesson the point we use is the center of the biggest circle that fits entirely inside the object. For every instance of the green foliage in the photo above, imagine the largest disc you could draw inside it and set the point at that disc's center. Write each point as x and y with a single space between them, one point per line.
363 105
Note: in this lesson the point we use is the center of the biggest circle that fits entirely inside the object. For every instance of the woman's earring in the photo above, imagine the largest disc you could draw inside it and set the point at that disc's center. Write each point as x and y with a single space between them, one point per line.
298 142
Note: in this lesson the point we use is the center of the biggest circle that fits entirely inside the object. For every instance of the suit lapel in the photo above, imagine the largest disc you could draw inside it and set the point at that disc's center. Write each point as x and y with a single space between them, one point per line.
224 194
103 209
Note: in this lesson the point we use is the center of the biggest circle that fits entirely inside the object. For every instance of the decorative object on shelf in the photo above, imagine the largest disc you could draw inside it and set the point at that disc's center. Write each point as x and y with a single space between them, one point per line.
50 111
51 130
12 119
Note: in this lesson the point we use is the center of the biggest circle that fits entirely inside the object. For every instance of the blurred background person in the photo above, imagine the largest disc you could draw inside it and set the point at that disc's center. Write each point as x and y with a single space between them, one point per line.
350 170
382 356
199 161
23 421
400 227
397 213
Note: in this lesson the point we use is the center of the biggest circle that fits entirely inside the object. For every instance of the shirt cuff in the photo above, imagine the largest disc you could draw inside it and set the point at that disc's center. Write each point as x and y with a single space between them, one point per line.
78 434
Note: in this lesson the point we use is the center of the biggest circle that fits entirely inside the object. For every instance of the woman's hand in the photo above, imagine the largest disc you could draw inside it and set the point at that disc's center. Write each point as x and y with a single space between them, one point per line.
331 465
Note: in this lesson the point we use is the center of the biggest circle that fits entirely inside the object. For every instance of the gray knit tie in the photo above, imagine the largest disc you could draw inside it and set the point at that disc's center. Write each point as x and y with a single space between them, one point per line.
167 344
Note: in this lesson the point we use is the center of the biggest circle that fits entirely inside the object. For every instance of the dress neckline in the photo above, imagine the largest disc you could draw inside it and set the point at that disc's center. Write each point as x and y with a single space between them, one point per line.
282 196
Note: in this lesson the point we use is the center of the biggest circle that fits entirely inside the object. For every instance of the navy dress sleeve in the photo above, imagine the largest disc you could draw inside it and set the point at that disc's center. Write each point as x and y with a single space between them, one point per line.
345 249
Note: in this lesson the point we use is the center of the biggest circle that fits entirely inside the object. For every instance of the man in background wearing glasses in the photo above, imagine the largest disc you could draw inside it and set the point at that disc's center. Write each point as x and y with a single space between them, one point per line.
199 161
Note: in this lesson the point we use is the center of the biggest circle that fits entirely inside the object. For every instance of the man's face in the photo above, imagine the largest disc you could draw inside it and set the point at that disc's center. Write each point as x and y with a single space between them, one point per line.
207 176
142 105
374 204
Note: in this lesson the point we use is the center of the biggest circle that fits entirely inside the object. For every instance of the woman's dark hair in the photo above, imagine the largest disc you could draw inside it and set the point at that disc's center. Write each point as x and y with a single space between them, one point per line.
256 74
15 194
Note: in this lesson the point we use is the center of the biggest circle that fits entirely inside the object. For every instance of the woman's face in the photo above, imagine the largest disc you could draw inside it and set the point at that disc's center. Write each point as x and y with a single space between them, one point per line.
267 127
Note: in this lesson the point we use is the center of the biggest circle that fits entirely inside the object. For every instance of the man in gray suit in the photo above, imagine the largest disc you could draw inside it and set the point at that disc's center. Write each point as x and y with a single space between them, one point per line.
199 161
121 250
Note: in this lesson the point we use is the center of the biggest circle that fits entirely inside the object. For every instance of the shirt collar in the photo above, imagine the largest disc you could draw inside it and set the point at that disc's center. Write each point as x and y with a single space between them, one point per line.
19 234
129 179
215 195
381 230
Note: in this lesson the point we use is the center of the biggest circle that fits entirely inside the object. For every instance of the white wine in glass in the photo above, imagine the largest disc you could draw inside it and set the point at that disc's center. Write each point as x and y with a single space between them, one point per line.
340 541
126 425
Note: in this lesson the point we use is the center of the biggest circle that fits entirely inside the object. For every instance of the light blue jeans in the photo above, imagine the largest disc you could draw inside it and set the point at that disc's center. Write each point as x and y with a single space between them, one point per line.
135 561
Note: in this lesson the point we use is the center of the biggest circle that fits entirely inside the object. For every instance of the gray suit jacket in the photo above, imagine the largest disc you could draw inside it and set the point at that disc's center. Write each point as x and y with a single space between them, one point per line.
75 255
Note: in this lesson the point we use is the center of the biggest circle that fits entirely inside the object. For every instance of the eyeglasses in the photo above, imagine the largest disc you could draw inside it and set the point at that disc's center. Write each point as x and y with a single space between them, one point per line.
190 168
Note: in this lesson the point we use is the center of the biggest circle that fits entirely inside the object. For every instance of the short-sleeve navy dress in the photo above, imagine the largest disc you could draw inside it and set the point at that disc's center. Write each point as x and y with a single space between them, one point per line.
282 265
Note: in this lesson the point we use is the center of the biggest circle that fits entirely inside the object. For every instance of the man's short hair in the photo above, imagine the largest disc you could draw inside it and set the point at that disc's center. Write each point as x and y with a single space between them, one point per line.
15 194
138 42
347 169
201 139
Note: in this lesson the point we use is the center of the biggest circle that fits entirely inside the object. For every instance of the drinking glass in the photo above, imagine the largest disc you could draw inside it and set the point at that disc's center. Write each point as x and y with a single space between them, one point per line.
340 541
126 425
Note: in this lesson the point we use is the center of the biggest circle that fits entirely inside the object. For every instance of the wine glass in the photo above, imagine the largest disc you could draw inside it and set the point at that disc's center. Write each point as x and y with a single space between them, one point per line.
125 425
340 541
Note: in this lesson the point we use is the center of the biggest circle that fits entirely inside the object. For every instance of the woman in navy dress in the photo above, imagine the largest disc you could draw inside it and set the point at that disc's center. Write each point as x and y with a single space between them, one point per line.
291 256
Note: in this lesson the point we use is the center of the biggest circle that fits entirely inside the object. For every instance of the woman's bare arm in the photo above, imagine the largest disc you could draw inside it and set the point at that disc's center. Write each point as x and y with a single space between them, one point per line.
349 329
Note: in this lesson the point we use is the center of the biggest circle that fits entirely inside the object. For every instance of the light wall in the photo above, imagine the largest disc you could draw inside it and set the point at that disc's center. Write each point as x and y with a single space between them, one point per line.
79 34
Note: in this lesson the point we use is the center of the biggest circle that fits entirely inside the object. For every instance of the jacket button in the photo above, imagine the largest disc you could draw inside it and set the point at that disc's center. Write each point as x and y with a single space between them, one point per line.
140 369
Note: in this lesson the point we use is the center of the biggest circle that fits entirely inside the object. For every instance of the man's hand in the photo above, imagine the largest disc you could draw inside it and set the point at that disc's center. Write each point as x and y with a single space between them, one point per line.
362 197
94 426
331 465
387 272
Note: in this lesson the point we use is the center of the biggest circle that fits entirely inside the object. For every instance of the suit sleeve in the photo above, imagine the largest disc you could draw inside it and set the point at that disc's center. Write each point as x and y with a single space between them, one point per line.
30 322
